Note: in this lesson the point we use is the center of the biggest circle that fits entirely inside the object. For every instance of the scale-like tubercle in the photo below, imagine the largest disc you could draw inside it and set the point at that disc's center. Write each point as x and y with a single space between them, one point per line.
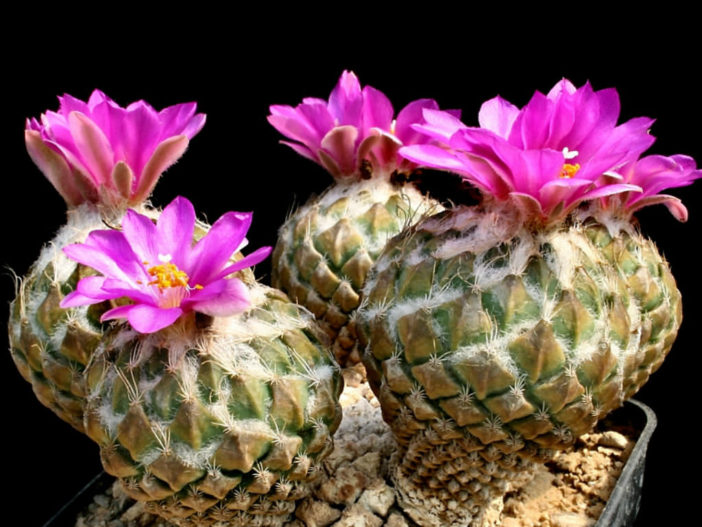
222 419
51 346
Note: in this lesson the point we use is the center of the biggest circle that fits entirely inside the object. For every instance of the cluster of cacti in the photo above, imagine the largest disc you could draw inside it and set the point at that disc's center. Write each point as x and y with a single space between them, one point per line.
491 334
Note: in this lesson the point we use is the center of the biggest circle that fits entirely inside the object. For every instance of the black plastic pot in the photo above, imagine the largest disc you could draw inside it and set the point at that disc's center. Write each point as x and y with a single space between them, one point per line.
623 504
621 509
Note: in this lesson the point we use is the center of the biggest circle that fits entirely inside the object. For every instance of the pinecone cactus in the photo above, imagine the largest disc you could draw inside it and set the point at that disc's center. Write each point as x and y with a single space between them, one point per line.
327 246
219 401
498 333
101 159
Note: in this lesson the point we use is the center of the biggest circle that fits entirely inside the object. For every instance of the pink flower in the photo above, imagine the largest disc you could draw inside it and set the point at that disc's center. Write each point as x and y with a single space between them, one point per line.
653 174
355 125
99 152
548 156
159 269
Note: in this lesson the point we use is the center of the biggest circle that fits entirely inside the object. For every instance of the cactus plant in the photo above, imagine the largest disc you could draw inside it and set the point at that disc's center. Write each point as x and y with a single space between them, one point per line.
327 246
101 158
218 400
498 333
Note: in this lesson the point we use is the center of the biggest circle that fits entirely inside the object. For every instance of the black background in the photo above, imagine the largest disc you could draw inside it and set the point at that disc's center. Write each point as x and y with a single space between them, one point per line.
236 163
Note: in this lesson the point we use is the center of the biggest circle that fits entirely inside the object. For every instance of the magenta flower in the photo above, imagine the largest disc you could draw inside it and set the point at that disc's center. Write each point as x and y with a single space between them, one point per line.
549 155
157 267
99 152
355 125
654 174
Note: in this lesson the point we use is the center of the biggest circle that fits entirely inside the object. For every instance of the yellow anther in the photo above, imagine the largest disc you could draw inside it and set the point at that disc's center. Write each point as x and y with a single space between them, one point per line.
568 170
168 275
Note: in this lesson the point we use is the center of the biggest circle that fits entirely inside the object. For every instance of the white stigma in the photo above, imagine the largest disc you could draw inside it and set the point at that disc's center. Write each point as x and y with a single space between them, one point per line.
570 154
164 258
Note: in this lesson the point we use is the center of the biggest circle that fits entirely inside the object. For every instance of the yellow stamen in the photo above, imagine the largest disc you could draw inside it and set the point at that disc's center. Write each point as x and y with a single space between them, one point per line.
168 275
568 170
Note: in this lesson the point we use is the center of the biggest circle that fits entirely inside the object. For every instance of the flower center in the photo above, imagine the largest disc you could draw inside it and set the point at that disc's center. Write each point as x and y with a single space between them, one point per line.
167 275
568 170
171 281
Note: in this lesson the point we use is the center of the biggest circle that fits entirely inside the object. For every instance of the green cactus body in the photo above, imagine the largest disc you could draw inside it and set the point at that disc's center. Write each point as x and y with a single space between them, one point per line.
219 423
51 346
490 345
326 248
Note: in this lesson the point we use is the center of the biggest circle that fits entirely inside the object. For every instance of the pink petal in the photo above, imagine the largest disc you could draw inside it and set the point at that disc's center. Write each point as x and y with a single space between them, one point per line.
529 205
531 127
165 154
377 111
122 179
213 251
440 125
175 229
68 104
340 144
675 206
142 133
88 291
54 167
136 292
75 299
117 312
562 86
498 115
432 156
93 145
346 100
532 169
409 115
380 149
143 317
318 119
141 235
302 150
331 165
180 119
220 298
292 123
609 190
247 261
109 253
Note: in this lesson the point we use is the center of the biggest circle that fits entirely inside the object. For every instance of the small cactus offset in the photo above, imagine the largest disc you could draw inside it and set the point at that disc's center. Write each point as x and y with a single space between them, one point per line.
327 246
218 400
500 332
91 153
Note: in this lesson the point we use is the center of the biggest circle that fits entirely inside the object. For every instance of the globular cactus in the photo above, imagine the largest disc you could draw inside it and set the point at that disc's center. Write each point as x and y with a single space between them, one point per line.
101 159
220 400
327 246
226 422
498 333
